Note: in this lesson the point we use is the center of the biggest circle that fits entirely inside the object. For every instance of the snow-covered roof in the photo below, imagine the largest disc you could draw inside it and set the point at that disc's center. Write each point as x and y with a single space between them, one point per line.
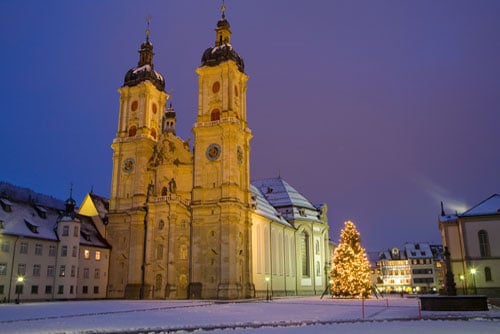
490 206
287 200
23 217
264 208
418 250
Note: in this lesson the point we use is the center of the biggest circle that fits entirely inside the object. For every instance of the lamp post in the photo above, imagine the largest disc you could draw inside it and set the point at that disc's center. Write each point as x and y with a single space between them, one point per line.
462 279
473 273
19 287
267 288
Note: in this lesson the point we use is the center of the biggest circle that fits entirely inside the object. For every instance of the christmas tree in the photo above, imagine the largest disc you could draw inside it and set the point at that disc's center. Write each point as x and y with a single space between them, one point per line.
350 267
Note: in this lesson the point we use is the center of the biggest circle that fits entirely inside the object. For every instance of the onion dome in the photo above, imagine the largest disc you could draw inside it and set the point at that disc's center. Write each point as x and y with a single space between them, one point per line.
145 68
223 50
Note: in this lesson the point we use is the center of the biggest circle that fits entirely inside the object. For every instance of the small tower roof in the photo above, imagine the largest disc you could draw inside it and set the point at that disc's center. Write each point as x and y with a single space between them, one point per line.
223 50
144 71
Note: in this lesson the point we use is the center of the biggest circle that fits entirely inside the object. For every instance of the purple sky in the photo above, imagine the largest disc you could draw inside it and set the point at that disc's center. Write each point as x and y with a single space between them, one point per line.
381 109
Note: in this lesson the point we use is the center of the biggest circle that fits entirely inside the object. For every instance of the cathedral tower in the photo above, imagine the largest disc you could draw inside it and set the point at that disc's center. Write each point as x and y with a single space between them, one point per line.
142 98
220 243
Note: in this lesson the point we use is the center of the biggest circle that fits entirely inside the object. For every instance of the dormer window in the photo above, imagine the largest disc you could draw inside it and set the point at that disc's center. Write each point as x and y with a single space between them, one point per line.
302 212
33 227
6 205
42 213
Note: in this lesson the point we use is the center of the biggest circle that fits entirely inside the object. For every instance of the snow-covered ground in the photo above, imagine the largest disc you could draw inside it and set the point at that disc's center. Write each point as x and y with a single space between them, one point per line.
288 315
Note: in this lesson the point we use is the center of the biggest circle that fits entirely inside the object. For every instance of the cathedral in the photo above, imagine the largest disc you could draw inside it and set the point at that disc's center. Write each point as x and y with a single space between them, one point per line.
185 220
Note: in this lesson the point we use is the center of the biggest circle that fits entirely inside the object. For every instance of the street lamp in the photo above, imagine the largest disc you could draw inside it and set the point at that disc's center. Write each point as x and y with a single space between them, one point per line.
473 273
19 288
267 288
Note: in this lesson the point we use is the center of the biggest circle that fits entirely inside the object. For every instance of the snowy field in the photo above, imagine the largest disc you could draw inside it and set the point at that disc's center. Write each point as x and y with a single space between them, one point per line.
290 315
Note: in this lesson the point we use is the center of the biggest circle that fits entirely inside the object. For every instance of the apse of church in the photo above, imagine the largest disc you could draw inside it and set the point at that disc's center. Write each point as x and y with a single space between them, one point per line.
186 222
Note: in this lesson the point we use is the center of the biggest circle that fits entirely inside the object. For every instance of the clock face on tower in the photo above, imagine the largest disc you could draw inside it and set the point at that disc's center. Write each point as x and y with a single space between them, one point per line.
128 165
213 152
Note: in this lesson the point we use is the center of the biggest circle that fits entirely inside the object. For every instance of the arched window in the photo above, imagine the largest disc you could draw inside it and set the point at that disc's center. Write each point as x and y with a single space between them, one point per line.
132 131
484 244
304 250
215 115
487 274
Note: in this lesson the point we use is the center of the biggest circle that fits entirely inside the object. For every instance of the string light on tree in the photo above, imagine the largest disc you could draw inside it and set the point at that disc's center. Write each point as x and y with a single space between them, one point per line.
350 272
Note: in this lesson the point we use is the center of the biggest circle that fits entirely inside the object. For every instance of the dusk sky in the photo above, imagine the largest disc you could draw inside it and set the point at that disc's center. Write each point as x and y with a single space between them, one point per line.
381 109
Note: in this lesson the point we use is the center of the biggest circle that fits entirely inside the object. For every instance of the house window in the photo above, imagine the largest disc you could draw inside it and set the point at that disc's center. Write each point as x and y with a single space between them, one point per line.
74 252
98 255
76 231
484 244
5 246
86 254
24 248
65 231
96 289
36 270
38 249
487 274
71 289
48 289
21 269
60 289
2 290
34 289
73 270
50 271
3 268
52 250
304 250
86 273
85 289
97 274
62 271
64 251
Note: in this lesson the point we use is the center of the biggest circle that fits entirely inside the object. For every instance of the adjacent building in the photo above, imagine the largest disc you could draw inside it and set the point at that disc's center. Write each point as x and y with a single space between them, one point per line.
47 250
473 241
415 268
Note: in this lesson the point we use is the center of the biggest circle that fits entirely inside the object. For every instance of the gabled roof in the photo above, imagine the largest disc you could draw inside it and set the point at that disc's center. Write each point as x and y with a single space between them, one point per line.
490 206
264 208
280 194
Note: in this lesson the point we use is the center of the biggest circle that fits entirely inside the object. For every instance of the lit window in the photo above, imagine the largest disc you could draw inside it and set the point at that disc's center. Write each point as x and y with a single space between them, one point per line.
86 254
98 255
62 271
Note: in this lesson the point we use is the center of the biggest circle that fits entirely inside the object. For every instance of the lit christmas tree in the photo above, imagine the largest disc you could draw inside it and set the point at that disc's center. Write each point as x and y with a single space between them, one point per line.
350 267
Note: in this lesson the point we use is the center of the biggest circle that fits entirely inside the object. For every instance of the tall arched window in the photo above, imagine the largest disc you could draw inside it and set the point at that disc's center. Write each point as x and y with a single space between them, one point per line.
484 244
304 250
487 274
